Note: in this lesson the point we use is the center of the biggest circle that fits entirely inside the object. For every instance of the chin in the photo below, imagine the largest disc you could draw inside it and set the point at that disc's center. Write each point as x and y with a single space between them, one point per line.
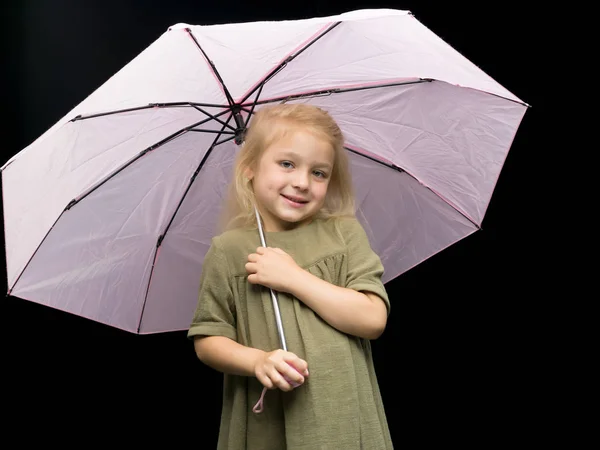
292 219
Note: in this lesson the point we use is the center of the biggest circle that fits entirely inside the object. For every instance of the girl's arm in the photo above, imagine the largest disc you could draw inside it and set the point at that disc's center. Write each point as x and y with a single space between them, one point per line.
360 314
226 355
274 369
350 311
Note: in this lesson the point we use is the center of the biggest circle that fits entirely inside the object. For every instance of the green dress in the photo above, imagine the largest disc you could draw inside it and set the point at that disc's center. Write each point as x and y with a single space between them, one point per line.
339 406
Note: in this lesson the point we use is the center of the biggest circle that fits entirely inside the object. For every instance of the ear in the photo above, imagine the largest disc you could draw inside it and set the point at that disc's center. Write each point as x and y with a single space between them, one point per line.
248 173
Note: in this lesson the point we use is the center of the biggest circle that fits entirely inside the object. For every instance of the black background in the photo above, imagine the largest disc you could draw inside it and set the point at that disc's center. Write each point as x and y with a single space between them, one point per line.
453 361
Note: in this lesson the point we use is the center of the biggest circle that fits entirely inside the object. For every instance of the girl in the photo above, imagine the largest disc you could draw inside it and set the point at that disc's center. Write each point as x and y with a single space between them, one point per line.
323 393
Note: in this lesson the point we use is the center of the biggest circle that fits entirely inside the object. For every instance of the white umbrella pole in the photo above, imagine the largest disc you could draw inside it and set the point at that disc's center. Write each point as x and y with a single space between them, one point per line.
273 294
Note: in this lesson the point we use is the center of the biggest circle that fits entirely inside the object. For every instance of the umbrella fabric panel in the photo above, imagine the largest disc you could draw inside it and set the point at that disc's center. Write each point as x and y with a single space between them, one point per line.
453 140
39 184
97 259
375 50
406 223
173 291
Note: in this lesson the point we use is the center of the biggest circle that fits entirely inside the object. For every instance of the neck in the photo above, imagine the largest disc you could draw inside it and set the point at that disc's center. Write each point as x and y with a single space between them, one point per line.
275 226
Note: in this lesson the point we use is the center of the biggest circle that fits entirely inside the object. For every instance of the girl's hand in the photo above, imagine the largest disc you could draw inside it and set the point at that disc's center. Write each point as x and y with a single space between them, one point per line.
271 267
280 370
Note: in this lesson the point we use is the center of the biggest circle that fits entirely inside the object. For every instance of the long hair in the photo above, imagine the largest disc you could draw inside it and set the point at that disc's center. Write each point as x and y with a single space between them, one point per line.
269 125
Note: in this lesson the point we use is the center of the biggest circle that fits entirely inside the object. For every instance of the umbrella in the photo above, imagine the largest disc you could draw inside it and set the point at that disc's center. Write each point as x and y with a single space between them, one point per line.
109 213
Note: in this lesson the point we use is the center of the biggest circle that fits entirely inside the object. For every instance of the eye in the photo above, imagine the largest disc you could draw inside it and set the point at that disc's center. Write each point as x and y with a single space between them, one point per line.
286 164
320 174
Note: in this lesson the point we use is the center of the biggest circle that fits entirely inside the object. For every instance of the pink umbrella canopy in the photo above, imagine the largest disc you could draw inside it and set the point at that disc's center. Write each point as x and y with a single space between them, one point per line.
108 215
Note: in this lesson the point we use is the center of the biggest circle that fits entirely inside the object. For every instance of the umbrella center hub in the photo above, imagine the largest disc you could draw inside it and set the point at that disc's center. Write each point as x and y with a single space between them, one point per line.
240 131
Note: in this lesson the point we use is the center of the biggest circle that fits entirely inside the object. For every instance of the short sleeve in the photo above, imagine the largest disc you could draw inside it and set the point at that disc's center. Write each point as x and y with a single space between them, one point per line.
215 313
364 265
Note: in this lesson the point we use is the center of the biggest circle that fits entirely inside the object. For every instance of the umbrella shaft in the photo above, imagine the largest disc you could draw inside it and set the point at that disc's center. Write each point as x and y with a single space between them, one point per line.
273 294
278 320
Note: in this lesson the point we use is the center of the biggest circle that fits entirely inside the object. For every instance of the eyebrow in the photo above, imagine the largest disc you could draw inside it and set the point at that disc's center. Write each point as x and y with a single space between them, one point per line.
292 154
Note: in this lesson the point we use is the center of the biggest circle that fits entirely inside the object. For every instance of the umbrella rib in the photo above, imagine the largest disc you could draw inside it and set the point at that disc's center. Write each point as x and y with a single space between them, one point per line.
401 170
222 141
213 67
285 62
149 106
219 132
379 161
253 106
214 117
329 91
164 233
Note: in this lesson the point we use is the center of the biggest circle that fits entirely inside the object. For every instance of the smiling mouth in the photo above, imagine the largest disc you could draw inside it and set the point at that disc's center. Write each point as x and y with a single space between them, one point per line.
300 201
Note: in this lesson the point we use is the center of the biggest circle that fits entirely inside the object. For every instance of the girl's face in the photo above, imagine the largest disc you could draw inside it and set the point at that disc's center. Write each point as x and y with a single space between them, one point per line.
291 179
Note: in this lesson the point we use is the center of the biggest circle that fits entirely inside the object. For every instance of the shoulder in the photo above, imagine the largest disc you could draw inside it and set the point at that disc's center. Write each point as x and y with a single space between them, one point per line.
348 227
233 246
347 231
353 235
348 223
231 238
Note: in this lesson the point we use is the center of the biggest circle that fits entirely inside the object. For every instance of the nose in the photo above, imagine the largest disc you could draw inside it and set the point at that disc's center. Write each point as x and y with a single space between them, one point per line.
301 180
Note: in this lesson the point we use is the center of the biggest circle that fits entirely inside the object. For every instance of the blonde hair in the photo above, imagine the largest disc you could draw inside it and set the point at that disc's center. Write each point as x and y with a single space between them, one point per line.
271 124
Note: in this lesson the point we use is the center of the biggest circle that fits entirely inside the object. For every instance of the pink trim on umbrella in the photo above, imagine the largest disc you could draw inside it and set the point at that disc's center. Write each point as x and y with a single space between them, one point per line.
197 45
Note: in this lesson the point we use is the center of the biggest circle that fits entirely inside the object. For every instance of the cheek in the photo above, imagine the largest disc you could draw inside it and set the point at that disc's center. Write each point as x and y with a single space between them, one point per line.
272 182
320 190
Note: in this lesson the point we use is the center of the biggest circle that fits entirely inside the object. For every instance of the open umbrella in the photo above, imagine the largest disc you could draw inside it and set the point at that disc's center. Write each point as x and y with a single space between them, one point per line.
108 214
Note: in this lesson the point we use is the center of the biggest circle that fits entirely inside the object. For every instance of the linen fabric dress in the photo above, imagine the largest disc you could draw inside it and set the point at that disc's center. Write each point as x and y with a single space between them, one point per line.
339 405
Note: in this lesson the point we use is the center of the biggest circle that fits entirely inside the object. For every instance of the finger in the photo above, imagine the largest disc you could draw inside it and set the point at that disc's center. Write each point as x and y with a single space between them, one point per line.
251 267
290 372
261 250
252 257
297 363
293 384
279 381
266 381
253 279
